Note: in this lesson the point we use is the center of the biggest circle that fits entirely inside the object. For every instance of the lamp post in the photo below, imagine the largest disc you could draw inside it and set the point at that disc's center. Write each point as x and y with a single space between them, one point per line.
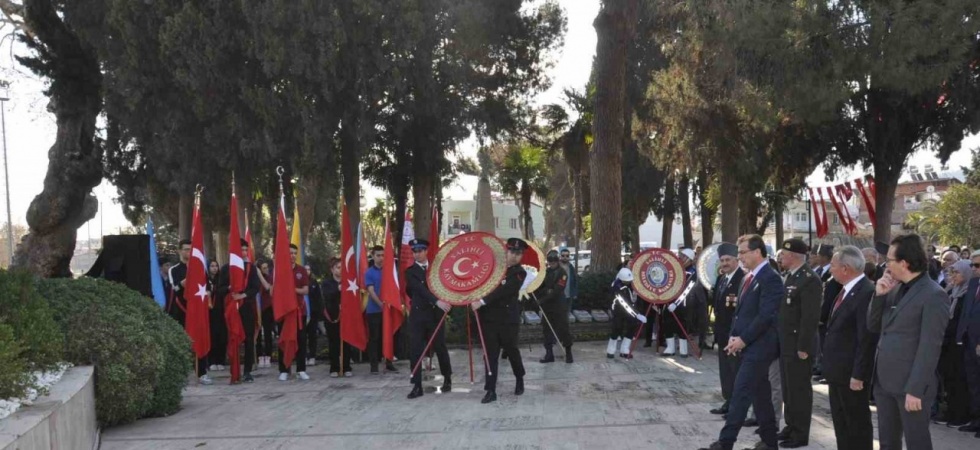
4 96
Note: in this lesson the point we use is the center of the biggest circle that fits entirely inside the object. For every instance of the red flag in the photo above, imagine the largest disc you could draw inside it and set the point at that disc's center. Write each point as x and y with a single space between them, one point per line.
406 258
824 226
196 290
392 313
352 329
248 239
284 306
236 285
868 202
871 186
842 192
840 214
433 235
816 212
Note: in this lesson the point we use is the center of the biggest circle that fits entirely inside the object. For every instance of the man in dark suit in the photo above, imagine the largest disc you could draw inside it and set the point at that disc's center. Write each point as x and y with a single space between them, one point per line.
798 316
910 312
724 299
754 336
501 315
425 316
968 338
848 352
830 290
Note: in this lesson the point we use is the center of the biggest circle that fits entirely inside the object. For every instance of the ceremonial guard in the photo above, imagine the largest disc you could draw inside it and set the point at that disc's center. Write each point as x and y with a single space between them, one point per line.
247 306
798 317
501 318
724 300
624 316
550 296
422 321
674 329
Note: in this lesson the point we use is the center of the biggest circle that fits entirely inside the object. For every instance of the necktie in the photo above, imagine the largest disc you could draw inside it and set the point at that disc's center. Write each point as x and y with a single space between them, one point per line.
745 287
838 301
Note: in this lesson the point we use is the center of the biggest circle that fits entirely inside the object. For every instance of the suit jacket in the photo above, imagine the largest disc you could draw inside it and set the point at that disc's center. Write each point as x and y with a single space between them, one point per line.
755 315
719 302
552 290
849 347
911 332
830 290
417 288
252 284
799 313
502 303
968 329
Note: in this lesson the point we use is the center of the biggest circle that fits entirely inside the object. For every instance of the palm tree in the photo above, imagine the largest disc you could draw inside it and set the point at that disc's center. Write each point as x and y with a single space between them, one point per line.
523 174
927 221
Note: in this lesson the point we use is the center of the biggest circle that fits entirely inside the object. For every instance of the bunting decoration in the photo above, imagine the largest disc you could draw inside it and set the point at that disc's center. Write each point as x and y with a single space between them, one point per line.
860 190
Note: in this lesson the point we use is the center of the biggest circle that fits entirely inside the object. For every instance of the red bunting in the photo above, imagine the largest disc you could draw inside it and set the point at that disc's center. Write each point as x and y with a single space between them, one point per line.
824 226
868 202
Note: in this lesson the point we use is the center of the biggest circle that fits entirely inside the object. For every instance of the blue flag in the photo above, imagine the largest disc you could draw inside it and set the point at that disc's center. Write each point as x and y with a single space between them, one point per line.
156 281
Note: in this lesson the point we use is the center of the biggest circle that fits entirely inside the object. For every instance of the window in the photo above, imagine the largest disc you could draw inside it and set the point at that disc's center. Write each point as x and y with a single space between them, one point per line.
513 224
496 222
456 221
801 217
836 219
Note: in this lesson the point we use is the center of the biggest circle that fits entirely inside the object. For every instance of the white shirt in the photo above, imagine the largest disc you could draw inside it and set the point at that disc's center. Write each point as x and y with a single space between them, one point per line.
850 285
824 270
755 271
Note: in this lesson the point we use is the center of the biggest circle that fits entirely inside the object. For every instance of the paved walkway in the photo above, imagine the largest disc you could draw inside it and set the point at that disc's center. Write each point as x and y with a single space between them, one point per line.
649 402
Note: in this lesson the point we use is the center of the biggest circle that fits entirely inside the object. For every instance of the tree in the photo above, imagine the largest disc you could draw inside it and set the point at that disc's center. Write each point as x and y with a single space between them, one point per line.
523 175
615 26
61 54
972 173
956 217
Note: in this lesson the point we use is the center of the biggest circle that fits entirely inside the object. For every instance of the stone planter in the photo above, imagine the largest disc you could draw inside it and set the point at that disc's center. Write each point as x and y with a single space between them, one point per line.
63 419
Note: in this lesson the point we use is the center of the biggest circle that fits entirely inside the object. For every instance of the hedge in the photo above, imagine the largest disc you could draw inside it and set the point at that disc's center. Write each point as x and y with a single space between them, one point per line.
30 340
595 290
141 356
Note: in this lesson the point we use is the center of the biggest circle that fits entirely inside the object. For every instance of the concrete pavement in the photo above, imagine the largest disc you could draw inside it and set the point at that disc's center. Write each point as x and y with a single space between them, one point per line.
649 402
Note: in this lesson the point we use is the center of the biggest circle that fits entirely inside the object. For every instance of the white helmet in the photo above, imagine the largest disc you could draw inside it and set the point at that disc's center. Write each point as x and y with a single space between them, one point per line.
625 275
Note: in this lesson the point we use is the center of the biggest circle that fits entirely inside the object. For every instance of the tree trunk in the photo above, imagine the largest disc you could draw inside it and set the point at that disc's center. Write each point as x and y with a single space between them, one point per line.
886 182
707 213
185 215
400 196
220 245
729 206
684 195
669 202
350 172
748 213
526 208
307 192
74 161
423 193
778 217
615 26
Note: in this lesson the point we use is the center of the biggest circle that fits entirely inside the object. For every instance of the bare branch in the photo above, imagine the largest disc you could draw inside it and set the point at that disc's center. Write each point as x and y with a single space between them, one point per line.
13 14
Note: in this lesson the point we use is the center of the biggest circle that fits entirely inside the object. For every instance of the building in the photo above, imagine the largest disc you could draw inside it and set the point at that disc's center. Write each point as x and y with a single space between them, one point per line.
459 212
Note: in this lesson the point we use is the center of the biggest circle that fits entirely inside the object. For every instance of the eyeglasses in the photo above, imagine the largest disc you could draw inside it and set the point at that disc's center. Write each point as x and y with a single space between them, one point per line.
975 265
893 259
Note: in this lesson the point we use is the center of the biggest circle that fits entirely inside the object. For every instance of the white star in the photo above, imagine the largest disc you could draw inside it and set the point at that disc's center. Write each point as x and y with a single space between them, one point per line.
476 264
351 286
202 291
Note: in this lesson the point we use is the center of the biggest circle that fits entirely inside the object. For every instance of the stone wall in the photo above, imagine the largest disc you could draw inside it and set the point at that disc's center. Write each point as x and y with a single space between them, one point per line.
63 419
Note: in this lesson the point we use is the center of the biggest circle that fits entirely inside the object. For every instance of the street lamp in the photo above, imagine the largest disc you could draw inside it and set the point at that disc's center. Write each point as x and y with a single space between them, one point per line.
4 96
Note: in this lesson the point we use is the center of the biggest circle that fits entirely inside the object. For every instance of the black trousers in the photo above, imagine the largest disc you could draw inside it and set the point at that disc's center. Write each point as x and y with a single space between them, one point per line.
312 329
501 337
558 316
852 417
248 313
953 370
300 355
971 363
894 422
422 323
268 329
622 325
333 345
374 340
727 369
795 374
219 334
752 388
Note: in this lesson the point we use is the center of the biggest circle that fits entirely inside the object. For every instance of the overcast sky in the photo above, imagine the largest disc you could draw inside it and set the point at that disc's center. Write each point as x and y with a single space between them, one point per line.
31 130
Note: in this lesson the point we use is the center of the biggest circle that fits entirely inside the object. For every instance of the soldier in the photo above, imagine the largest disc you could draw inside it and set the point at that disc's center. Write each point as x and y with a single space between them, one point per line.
550 296
501 321
624 317
724 300
422 322
798 317
679 321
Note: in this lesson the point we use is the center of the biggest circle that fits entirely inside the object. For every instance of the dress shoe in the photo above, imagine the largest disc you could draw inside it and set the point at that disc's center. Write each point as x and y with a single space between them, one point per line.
783 435
519 389
760 446
568 355
647 344
713 446
247 378
722 410
416 392
548 358
447 386
391 368
490 397
793 443
750 423
973 427
667 354
957 423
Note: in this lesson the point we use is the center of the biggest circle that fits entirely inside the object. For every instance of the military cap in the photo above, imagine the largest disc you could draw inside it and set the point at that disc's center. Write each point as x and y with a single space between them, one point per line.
825 250
418 244
516 244
881 248
796 245
726 249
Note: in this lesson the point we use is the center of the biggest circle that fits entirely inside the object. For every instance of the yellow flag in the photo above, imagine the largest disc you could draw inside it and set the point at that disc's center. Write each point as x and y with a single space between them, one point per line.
295 240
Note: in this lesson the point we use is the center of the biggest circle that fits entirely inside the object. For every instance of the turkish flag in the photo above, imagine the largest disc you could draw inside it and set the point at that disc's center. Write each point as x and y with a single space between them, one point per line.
392 312
284 305
433 235
236 285
352 328
196 290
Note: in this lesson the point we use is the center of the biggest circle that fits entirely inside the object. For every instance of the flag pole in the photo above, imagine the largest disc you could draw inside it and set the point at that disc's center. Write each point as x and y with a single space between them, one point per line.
469 344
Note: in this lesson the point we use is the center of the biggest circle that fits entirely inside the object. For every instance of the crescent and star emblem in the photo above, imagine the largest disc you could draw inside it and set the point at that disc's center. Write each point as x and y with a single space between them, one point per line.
460 273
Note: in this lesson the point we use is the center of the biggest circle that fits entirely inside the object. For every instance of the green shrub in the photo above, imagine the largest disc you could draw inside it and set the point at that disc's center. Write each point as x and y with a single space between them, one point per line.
30 340
141 356
594 291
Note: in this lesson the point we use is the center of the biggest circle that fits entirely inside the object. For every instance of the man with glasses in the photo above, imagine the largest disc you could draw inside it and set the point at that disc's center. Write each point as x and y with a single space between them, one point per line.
968 338
910 312
571 287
